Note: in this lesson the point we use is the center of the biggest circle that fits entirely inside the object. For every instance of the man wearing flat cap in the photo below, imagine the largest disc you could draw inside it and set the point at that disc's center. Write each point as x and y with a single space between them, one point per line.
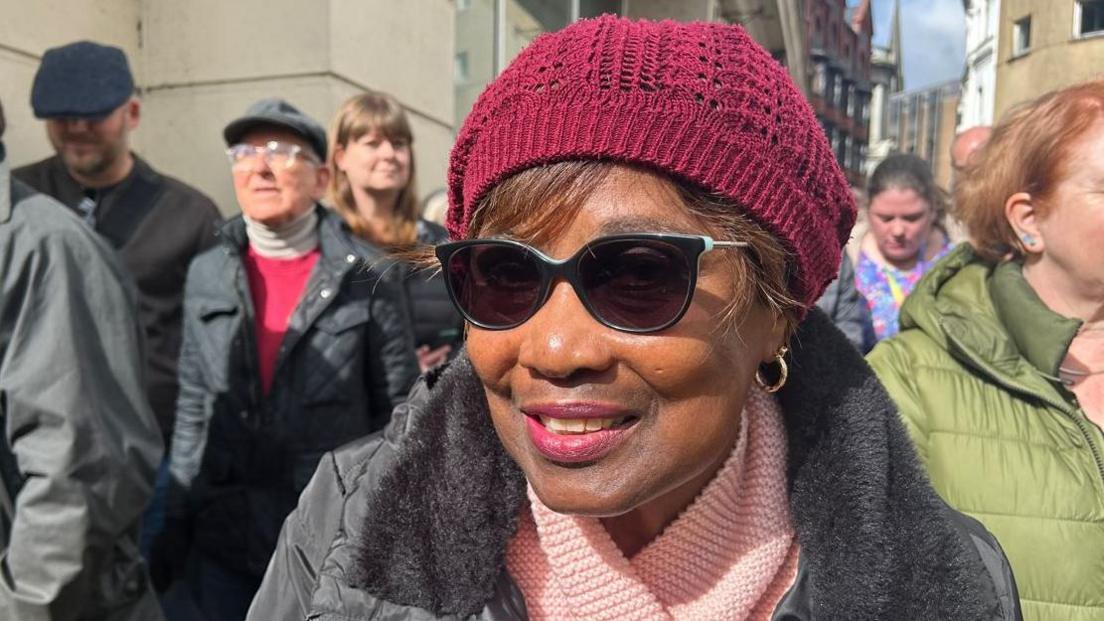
293 346
85 93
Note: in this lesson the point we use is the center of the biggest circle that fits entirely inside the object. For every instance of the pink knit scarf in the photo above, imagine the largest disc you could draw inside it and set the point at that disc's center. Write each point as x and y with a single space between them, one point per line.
730 556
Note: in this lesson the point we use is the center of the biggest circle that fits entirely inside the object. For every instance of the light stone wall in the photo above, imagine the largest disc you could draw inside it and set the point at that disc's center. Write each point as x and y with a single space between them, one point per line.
200 63
27 29
1056 58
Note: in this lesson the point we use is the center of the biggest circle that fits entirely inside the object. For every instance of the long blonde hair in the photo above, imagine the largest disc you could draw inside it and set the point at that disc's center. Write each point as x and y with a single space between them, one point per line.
360 115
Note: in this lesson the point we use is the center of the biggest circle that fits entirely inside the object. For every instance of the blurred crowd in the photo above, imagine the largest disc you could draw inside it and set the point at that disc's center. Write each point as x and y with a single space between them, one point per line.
170 381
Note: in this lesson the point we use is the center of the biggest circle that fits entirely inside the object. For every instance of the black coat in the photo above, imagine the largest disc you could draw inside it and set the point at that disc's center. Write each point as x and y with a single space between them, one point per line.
436 321
157 241
240 458
413 524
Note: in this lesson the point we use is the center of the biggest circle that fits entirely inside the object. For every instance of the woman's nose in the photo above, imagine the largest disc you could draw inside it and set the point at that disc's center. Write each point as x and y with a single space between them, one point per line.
563 341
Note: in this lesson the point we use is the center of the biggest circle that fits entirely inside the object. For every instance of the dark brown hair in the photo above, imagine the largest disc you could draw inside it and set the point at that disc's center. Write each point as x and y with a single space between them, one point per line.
905 171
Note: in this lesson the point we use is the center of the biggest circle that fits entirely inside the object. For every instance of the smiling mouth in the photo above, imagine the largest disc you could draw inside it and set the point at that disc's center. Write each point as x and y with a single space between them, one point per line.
581 426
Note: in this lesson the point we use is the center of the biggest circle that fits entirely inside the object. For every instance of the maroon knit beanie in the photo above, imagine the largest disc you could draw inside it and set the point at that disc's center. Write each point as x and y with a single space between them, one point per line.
699 101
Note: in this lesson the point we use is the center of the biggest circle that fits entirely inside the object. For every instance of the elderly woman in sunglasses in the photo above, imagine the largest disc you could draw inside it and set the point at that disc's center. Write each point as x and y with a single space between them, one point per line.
650 420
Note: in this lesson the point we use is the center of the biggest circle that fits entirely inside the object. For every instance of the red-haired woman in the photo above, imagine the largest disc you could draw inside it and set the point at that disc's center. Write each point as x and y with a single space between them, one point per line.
999 366
650 420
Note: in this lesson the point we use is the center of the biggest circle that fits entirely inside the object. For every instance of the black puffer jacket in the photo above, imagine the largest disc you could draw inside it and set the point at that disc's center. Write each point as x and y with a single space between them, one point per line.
240 459
413 524
433 316
436 321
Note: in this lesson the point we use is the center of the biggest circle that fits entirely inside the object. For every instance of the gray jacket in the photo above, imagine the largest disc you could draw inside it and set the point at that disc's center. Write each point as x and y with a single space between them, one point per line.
847 308
80 444
240 457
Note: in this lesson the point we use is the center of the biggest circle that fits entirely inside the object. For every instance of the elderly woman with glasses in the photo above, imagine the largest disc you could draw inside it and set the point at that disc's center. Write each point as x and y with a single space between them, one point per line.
292 347
650 420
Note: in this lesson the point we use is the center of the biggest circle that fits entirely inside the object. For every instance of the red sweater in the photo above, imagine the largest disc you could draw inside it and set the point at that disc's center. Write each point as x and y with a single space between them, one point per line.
276 286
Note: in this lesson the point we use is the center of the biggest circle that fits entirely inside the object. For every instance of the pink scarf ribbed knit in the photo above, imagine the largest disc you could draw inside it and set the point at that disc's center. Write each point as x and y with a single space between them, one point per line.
730 556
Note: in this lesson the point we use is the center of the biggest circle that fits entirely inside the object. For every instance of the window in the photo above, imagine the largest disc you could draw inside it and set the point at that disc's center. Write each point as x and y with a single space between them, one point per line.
1021 36
1089 18
820 79
851 101
594 8
461 72
489 33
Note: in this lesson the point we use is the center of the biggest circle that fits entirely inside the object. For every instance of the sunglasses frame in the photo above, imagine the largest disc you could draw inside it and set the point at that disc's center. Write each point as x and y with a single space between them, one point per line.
551 270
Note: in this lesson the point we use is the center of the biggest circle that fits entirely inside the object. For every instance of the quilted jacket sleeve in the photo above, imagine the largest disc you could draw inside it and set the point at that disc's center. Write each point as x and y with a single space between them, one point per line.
189 441
392 366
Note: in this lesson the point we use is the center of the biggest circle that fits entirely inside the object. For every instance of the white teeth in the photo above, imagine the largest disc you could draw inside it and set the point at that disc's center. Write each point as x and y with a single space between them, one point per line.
567 426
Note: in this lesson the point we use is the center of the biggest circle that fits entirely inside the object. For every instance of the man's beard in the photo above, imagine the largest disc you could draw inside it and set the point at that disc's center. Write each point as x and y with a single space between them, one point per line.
90 162
98 153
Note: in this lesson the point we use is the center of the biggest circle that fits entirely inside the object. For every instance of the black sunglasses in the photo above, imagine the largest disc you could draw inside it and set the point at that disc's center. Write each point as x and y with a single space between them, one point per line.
641 282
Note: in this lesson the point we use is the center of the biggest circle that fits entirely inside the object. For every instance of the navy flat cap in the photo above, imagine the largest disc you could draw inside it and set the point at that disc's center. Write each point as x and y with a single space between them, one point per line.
273 112
81 80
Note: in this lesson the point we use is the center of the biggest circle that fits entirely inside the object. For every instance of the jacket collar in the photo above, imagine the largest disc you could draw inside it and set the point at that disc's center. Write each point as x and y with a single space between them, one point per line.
876 541
1041 335
958 304
334 240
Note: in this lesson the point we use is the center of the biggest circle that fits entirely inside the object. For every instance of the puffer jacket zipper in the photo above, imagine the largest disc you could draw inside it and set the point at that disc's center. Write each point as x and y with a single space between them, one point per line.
1082 423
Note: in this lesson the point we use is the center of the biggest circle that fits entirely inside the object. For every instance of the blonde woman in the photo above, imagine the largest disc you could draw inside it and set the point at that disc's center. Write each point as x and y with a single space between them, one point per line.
372 186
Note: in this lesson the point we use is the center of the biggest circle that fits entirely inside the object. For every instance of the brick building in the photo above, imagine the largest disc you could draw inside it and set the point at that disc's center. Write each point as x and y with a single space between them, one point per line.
840 47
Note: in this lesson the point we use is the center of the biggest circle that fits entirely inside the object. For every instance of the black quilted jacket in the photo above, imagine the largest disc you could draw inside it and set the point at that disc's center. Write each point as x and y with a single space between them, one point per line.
240 458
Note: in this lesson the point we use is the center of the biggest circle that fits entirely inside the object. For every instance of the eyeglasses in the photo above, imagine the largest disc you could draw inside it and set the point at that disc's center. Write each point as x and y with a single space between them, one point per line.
278 155
641 282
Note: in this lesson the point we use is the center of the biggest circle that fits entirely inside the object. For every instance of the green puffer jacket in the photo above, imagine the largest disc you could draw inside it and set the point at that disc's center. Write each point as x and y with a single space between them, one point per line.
973 372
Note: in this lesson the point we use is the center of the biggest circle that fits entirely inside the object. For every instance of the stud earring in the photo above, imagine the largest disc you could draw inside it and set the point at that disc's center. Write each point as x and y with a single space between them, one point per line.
1028 239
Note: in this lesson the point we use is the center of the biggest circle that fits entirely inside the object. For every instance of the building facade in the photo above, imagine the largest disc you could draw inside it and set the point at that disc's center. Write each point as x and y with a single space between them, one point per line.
840 89
886 79
923 122
1044 45
979 83
198 64
489 33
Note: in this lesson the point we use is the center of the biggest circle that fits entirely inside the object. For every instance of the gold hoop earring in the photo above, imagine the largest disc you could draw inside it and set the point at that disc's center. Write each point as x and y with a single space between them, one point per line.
783 373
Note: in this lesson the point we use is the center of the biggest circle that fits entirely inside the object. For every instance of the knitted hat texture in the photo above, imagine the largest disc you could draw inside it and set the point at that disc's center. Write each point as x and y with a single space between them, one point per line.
699 101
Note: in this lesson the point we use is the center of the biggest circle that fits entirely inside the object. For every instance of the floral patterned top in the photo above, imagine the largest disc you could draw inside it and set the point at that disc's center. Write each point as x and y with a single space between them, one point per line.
885 288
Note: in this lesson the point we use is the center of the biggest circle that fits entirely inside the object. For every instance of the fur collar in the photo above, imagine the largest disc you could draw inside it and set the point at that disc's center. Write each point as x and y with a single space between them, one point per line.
875 538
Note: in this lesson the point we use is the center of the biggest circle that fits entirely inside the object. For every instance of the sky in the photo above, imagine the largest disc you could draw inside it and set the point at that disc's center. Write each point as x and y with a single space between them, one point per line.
934 33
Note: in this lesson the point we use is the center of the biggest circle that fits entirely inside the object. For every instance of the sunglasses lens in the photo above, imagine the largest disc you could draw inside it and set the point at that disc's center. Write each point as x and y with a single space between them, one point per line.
495 285
636 285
